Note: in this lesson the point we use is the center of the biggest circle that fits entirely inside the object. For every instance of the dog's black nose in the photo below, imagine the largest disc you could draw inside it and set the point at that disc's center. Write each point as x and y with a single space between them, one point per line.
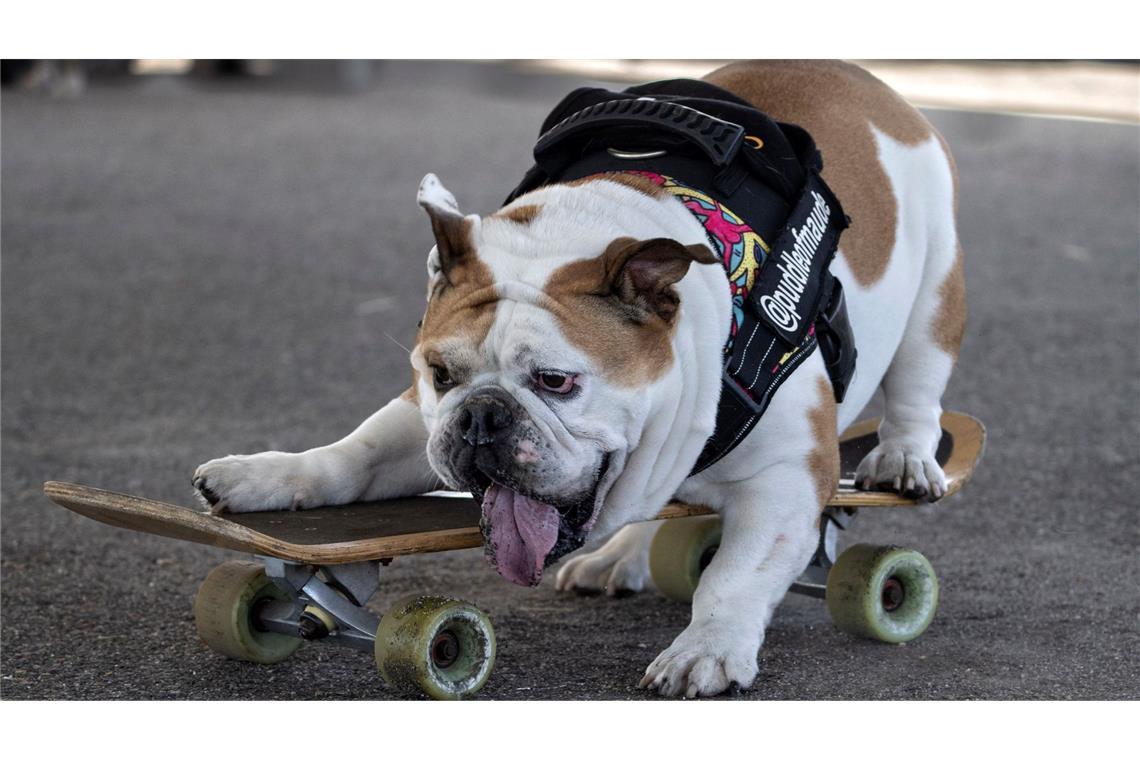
484 421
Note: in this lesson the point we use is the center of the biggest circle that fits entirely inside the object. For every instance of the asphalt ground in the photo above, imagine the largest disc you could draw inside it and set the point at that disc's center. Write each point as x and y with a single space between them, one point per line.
193 269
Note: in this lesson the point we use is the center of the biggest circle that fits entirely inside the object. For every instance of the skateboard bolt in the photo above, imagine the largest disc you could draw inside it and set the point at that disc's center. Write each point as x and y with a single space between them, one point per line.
893 594
444 649
311 627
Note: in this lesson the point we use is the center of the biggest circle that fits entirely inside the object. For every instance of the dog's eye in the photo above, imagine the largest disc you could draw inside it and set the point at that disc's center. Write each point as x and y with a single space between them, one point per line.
442 378
555 382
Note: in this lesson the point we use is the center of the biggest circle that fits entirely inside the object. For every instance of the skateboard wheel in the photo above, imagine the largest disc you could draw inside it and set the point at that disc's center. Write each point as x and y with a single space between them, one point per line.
223 611
682 548
882 592
442 647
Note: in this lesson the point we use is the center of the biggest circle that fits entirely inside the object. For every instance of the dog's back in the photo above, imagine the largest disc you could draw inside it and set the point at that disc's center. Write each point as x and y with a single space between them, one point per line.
900 260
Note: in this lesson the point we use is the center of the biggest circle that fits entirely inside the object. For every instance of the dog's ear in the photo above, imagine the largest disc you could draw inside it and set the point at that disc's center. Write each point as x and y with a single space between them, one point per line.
641 273
454 233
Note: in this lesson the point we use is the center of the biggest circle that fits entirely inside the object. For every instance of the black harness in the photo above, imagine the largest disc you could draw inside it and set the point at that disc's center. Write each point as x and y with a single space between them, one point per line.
755 185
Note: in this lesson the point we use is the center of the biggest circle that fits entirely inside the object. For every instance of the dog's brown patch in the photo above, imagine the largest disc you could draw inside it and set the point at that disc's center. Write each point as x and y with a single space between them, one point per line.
524 214
838 103
823 461
452 240
629 350
949 323
632 181
413 393
462 303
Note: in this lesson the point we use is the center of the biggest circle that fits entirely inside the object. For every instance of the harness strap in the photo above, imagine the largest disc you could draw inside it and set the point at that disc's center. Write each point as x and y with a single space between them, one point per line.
795 304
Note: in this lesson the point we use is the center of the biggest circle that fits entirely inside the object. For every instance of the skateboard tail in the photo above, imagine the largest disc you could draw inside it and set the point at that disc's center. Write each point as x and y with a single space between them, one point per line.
265 536
148 516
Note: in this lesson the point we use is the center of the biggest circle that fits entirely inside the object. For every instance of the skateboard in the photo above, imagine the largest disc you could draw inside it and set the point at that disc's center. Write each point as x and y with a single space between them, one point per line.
314 570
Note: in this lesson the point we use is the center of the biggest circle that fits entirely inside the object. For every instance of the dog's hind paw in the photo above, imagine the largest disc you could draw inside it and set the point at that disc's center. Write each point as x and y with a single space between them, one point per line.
902 468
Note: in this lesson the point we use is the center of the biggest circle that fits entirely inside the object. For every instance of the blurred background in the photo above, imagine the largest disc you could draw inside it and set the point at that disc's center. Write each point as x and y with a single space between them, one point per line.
1095 89
212 257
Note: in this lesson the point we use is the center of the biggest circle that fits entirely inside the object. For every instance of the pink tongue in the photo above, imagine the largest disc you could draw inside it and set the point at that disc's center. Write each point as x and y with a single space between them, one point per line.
523 531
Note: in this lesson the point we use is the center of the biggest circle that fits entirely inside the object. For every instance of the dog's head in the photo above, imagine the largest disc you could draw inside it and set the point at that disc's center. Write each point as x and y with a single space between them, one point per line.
534 362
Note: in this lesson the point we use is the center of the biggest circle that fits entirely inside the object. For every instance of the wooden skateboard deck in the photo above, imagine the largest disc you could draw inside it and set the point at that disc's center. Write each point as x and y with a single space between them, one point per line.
438 521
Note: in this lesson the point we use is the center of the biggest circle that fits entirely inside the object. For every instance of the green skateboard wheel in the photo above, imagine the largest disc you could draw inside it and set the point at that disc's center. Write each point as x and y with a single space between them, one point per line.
223 612
885 593
442 647
682 548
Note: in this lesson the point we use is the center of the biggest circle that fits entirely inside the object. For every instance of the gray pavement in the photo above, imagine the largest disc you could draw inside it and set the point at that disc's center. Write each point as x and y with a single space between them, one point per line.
191 270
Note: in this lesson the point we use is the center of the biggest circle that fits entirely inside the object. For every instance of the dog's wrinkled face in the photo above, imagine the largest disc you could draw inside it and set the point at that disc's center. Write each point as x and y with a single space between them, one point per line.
532 362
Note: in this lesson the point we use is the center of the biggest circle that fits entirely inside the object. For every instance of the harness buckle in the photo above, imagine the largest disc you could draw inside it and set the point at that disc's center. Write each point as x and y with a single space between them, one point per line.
836 341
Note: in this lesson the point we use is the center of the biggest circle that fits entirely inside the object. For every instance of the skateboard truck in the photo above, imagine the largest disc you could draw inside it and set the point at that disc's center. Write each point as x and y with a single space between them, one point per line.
316 607
813 580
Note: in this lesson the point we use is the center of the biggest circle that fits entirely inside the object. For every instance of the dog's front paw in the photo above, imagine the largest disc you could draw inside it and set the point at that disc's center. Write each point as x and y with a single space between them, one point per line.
903 468
252 483
703 661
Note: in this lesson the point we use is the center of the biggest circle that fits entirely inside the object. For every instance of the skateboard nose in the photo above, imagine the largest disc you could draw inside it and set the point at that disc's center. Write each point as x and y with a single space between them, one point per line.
484 421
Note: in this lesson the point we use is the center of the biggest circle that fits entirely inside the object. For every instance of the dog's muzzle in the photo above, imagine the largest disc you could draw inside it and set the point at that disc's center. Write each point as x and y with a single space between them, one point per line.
523 531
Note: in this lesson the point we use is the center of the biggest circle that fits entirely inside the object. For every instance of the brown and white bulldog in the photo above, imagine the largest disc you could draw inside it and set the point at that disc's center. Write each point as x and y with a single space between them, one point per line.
568 369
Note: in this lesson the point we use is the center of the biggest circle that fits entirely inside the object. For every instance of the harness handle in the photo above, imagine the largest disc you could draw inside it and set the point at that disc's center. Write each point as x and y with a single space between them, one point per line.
718 139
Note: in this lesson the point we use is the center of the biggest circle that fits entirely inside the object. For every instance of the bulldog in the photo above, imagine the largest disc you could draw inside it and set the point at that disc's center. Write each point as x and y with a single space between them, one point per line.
568 368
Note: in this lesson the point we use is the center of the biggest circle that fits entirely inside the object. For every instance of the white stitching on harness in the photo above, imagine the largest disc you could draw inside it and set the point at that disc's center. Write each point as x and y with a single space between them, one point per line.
760 366
795 361
744 353
739 433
